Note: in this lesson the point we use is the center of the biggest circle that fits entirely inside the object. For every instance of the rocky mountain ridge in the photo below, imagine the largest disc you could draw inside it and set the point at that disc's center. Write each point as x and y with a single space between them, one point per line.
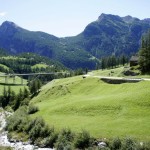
109 34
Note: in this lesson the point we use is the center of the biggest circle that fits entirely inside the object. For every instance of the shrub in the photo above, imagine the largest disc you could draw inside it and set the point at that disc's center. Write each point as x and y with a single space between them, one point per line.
129 144
65 139
51 140
36 125
32 109
82 140
17 120
116 144
63 144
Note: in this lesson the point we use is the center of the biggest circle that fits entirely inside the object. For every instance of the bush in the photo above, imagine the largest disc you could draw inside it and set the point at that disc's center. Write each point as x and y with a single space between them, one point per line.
35 127
63 144
129 144
65 139
51 140
17 121
116 144
83 140
32 109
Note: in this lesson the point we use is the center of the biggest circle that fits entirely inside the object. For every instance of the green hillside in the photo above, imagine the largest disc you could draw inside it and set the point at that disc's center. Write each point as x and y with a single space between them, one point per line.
44 44
105 110
108 35
39 66
15 87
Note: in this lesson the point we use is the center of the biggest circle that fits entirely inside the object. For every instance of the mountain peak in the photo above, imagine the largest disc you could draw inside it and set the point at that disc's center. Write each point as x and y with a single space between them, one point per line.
9 28
147 20
108 17
130 19
102 16
9 24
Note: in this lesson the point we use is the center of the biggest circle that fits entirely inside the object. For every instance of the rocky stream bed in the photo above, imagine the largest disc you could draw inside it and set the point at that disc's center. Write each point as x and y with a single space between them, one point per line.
16 145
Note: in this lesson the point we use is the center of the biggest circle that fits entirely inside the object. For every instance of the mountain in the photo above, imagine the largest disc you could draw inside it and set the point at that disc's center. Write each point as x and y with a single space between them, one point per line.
18 40
109 34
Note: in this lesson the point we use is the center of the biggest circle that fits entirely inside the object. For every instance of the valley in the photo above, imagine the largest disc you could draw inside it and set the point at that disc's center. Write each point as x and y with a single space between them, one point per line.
108 35
77 92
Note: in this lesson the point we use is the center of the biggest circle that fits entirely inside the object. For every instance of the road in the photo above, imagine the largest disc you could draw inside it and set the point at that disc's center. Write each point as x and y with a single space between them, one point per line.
117 78
30 74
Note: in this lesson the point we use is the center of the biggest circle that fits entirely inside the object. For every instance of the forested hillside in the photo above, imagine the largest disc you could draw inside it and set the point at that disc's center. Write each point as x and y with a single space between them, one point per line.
111 35
18 40
108 35
28 63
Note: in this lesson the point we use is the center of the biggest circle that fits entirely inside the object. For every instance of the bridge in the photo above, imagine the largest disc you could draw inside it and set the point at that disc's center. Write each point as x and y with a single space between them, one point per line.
6 76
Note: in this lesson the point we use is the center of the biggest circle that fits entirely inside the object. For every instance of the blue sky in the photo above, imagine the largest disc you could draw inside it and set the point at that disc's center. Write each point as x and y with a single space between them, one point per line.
67 17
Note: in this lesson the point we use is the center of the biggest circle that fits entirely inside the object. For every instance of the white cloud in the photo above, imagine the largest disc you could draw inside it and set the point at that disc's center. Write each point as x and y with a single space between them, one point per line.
2 14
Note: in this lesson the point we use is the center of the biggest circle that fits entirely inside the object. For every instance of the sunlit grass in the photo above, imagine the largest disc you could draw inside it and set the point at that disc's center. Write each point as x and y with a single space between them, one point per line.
10 82
39 66
105 110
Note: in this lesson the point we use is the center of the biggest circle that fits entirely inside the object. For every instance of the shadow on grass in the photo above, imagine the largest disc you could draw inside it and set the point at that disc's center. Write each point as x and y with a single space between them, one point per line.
11 84
118 81
35 94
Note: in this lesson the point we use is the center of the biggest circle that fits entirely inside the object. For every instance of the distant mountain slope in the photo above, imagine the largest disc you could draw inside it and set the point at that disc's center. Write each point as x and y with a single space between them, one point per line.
108 35
18 40
111 34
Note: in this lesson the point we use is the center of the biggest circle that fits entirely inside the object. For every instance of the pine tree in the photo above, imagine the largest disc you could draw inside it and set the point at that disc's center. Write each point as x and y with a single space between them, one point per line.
103 63
113 61
122 60
86 70
4 98
12 98
39 84
33 87
144 54
9 94
26 93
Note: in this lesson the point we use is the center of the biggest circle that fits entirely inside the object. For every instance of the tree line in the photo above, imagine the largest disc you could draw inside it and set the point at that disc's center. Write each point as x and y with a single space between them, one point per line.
144 54
10 98
113 61
24 62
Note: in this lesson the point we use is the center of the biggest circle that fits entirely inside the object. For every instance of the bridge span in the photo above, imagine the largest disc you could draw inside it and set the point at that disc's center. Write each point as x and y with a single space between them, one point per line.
14 75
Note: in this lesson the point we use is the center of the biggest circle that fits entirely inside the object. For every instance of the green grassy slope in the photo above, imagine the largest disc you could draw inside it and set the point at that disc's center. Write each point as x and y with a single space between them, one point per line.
105 110
39 66
117 72
14 87
4 66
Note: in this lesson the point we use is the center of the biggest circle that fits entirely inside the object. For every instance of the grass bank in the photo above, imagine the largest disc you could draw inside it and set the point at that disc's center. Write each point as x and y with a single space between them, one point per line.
15 87
105 110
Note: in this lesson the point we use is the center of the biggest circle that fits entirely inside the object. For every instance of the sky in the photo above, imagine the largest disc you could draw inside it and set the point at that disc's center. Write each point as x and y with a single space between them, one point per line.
67 17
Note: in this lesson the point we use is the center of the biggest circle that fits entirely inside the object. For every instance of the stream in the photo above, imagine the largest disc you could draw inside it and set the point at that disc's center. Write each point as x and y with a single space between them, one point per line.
15 145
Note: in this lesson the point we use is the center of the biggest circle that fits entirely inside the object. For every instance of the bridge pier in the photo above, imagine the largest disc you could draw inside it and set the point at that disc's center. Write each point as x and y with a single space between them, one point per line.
14 80
21 81
6 79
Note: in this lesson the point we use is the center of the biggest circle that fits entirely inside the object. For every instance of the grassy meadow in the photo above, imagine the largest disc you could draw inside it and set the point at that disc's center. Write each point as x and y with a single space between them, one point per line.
105 110
118 72
39 66
14 87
